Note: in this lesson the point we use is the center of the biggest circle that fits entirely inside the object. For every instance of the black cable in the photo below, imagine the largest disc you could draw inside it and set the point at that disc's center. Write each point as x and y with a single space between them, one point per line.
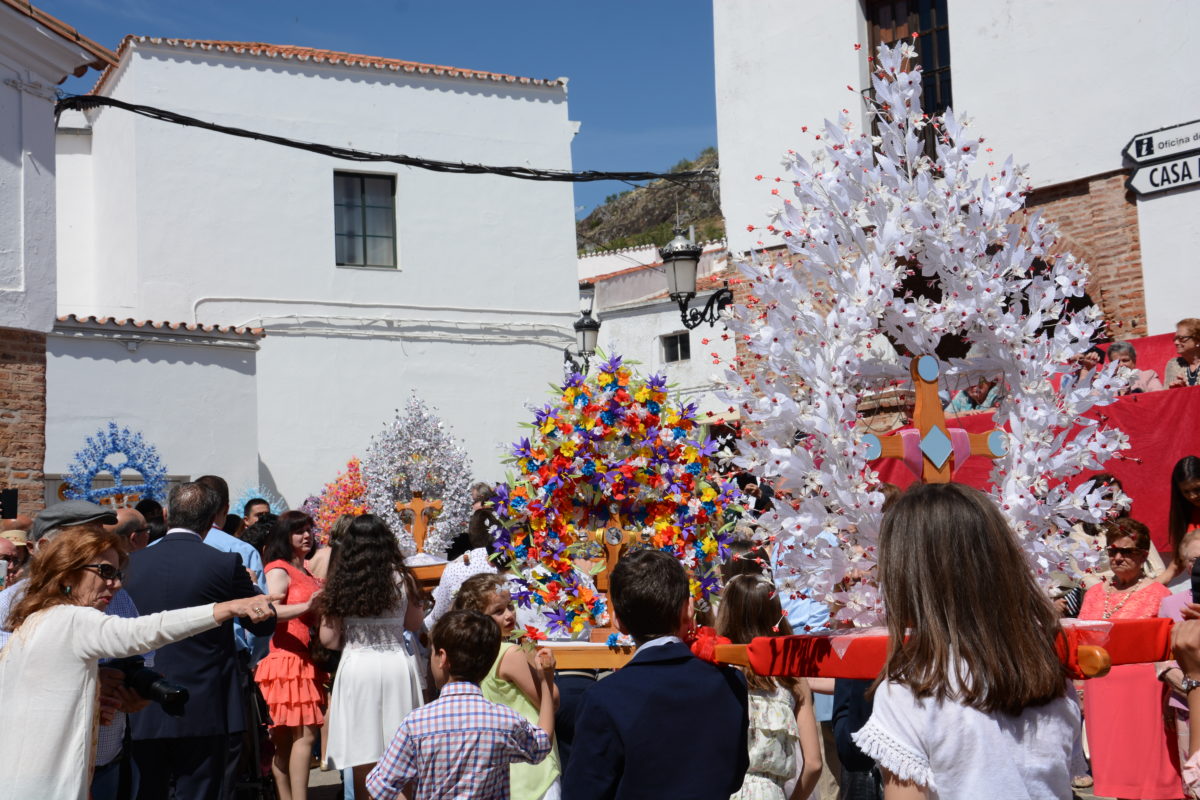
87 102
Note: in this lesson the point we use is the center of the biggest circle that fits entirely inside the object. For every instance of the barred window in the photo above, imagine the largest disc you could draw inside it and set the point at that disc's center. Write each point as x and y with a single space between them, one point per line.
892 21
364 210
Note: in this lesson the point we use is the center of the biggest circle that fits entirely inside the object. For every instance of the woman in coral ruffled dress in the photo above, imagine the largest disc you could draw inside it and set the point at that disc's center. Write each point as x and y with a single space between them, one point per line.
1131 753
290 683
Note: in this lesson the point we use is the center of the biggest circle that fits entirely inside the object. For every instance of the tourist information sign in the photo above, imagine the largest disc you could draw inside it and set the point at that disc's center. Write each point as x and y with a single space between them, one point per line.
1171 142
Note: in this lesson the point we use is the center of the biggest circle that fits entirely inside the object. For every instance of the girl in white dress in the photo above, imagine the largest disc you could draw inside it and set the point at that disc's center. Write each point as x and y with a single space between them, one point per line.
368 603
785 744
973 700
48 669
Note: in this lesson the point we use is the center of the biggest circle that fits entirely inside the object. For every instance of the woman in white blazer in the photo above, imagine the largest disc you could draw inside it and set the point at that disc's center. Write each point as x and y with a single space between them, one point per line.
48 687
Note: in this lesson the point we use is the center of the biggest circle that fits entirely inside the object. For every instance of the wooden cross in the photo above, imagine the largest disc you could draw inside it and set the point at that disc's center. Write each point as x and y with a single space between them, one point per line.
933 444
418 506
615 540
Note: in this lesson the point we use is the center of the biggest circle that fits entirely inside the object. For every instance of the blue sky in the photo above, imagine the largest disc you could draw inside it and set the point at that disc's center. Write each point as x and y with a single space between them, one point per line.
641 71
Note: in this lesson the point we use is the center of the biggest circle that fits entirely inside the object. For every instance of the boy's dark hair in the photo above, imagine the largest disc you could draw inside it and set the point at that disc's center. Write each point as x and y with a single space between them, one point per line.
649 590
471 640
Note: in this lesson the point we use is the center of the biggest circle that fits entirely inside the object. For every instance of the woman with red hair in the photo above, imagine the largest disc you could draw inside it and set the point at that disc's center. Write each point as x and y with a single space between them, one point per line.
48 683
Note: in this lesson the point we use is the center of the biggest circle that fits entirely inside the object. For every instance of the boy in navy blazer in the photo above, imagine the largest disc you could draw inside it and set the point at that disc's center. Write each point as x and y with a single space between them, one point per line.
667 724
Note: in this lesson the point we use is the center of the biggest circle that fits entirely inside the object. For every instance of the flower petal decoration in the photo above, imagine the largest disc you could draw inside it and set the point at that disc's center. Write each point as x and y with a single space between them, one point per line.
611 451
345 494
415 452
906 235
138 456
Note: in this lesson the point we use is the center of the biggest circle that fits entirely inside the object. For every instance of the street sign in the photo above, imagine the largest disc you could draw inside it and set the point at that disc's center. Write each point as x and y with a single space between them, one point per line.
1172 142
1167 175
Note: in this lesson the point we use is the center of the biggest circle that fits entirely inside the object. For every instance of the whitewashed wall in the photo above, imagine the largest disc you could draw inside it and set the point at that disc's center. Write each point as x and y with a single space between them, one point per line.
193 397
33 61
195 226
635 332
1061 84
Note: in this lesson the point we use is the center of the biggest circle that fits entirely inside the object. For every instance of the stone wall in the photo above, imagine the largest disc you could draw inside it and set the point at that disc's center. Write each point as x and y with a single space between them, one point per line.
23 415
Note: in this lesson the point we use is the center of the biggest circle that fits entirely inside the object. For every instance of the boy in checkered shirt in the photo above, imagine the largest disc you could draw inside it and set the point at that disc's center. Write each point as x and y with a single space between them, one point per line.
459 746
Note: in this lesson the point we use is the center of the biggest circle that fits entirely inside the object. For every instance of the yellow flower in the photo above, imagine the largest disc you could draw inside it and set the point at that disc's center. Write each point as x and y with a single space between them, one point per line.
694 587
604 378
577 625
568 449
642 394
708 494
710 546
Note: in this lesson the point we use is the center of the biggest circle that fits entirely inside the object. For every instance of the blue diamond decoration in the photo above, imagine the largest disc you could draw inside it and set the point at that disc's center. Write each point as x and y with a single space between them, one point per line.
937 447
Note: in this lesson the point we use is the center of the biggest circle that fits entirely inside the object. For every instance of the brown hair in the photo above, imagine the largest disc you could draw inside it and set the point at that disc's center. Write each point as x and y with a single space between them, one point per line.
965 618
471 640
477 590
649 591
750 608
59 564
1123 527
1192 326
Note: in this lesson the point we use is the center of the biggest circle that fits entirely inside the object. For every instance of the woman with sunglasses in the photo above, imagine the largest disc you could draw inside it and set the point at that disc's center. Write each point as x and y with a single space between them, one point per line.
291 683
1123 711
1184 369
48 669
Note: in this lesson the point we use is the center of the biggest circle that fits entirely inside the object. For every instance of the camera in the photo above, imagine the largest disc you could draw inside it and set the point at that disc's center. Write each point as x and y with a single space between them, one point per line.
152 685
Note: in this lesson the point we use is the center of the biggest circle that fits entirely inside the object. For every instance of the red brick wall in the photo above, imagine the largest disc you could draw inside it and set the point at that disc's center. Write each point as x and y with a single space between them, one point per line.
1097 221
23 415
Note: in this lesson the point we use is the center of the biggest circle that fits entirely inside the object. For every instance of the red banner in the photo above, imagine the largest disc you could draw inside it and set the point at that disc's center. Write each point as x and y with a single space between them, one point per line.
1163 427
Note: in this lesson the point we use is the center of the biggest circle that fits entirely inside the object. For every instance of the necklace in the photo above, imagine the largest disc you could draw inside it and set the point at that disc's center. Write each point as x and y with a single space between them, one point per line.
1192 374
1125 595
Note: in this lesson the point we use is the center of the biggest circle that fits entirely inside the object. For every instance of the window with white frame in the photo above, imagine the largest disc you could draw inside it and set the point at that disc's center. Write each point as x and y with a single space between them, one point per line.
676 347
364 211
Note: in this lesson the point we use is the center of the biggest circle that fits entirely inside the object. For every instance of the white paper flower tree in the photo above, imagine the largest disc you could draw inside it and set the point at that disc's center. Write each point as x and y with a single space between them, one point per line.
870 210
415 453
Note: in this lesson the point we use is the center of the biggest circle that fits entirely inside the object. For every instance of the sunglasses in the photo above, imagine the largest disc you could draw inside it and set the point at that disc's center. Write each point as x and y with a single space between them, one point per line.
107 572
1128 552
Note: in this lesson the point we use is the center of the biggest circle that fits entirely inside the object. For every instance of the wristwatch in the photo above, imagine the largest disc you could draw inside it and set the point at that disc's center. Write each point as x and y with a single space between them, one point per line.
1187 684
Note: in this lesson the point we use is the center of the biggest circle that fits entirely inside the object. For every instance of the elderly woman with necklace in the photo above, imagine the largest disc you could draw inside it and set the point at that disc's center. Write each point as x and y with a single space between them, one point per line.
1123 711
1184 369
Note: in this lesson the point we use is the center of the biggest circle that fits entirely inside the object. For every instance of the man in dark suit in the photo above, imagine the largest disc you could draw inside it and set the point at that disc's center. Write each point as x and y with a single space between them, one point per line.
666 724
177 572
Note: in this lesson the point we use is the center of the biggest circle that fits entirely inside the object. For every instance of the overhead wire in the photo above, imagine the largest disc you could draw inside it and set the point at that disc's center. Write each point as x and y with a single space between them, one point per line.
89 102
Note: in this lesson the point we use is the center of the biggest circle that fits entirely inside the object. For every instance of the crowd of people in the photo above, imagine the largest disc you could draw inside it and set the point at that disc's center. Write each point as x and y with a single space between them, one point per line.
146 651
1181 370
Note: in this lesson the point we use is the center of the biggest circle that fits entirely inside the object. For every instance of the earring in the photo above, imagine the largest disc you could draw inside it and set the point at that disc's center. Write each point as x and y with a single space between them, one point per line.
66 590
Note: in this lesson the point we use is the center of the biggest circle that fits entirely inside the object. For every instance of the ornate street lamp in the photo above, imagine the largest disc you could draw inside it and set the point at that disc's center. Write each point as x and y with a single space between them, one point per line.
587 330
681 257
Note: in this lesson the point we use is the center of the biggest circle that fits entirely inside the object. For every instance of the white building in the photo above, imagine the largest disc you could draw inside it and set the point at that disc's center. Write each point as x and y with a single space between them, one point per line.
369 280
642 324
37 52
1063 85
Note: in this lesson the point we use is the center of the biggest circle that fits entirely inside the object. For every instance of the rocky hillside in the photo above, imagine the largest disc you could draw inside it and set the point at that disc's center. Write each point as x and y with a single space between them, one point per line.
646 215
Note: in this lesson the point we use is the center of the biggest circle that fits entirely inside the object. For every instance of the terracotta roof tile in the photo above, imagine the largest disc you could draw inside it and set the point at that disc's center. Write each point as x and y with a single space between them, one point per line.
315 55
182 327
105 59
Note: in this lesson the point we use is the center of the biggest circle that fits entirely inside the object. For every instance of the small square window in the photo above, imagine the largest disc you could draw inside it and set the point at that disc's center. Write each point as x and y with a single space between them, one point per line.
364 215
676 347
